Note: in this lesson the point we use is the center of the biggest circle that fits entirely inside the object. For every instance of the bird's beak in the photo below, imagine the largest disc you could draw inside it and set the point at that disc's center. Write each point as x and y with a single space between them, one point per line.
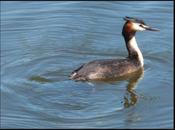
150 28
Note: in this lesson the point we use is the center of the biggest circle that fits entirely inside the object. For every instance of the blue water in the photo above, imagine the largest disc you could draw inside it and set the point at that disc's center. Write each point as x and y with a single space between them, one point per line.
43 42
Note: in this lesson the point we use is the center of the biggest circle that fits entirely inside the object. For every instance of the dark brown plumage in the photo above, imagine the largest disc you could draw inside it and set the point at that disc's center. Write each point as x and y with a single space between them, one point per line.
105 69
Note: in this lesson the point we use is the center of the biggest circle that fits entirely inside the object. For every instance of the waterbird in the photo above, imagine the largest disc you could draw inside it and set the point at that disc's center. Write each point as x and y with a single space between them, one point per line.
103 69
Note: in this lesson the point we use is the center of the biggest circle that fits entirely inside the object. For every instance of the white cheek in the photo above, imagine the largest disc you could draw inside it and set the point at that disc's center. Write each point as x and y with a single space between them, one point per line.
137 27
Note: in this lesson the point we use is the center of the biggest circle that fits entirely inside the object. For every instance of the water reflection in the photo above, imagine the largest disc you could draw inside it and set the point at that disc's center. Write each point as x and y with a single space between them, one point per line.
131 97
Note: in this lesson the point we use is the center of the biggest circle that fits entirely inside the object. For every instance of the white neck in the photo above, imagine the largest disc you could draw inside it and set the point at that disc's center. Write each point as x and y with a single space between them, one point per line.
134 47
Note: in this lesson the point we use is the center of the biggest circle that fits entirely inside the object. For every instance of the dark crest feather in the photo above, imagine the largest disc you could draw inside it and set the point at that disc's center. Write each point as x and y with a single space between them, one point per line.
133 19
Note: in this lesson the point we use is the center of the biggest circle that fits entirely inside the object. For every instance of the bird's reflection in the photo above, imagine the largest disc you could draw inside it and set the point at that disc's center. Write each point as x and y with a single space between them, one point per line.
131 96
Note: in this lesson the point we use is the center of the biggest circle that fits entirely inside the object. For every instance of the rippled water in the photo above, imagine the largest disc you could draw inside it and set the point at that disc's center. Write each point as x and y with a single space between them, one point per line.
42 42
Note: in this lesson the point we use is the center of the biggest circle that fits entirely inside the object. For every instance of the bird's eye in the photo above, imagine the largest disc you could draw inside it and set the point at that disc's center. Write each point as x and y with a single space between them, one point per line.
141 25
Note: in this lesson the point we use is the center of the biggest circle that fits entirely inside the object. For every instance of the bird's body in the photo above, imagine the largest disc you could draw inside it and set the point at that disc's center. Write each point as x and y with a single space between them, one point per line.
113 68
105 69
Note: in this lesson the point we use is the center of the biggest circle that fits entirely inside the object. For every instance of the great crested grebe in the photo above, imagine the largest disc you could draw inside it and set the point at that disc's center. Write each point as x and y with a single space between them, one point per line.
112 68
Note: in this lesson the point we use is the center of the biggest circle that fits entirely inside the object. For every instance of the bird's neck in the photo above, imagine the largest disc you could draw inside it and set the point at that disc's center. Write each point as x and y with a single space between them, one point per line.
133 49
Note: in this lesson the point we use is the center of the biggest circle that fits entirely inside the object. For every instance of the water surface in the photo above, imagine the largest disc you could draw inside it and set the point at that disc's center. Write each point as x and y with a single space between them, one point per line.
43 42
